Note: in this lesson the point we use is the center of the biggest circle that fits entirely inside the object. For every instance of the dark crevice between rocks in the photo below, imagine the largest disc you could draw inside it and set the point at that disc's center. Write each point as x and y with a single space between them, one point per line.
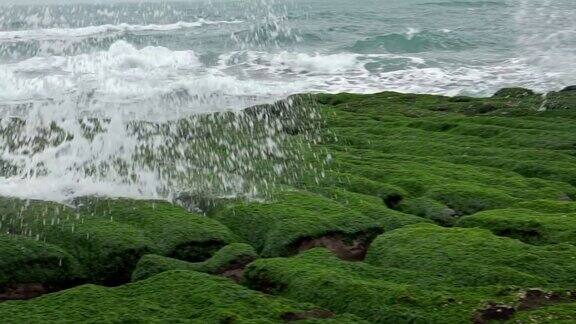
530 300
530 236
116 273
344 247
25 291
196 251
393 201
235 269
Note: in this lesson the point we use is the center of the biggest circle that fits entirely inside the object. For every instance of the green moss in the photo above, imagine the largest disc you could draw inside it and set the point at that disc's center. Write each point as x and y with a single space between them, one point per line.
108 237
24 260
371 206
420 273
106 250
514 93
174 296
552 314
526 225
171 230
229 257
549 206
377 294
473 257
430 209
277 227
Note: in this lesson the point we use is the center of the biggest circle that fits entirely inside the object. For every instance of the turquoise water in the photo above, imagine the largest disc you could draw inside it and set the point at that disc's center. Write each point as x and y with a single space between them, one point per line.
259 49
160 61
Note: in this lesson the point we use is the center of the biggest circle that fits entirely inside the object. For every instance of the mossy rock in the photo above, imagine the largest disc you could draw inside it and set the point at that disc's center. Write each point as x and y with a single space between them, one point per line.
548 206
281 226
378 294
371 206
466 199
561 313
173 296
514 93
430 209
563 100
108 237
171 230
474 257
26 261
228 259
106 250
526 225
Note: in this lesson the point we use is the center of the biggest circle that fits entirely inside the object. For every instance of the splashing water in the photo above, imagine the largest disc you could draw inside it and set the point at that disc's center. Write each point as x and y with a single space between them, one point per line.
139 121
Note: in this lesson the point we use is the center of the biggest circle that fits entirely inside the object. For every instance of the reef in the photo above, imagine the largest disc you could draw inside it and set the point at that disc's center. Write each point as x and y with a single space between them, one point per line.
411 209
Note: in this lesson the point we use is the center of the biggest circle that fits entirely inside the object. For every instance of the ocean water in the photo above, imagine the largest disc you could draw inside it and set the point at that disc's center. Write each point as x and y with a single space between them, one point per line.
61 61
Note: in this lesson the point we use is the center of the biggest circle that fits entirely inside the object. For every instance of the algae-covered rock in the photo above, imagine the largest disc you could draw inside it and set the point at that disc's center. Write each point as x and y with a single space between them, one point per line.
562 100
171 230
108 237
106 250
228 261
526 225
474 257
430 209
29 268
555 313
297 220
173 296
378 294
422 273
514 93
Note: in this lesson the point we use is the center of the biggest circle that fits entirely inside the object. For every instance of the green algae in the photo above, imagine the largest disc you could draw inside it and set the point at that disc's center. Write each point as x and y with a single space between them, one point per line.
25 260
474 257
526 225
375 293
277 227
170 229
230 257
108 237
500 169
173 296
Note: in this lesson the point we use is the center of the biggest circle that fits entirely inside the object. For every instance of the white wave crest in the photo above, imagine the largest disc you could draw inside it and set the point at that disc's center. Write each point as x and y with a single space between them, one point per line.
82 32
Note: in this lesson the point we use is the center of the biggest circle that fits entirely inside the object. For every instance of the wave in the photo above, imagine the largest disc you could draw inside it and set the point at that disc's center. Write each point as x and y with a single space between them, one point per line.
467 4
158 82
68 33
413 41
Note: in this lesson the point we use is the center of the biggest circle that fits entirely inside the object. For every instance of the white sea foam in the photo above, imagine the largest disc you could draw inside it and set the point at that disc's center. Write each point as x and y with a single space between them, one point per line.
82 32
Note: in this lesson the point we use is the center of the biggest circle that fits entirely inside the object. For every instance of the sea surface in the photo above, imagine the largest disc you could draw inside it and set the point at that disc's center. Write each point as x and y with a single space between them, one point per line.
63 60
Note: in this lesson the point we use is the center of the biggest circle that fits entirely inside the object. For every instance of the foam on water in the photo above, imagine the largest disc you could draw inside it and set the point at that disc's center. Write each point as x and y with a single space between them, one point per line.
69 33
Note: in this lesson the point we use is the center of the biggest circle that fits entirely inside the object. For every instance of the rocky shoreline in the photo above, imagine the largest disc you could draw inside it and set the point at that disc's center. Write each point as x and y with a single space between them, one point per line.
432 209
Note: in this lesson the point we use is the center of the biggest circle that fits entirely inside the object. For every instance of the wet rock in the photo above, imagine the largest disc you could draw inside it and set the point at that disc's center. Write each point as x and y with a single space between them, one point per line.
494 312
514 93
569 88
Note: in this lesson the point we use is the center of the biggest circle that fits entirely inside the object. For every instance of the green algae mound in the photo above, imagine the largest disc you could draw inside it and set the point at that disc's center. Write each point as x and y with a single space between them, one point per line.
225 262
173 296
293 220
29 267
526 225
108 237
474 257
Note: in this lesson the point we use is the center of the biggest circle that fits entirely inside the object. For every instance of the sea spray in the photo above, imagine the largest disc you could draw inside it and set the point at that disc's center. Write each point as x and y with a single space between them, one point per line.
123 120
